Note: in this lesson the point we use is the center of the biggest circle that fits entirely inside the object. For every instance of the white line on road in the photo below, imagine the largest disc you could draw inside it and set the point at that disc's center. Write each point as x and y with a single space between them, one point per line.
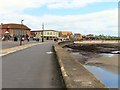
49 52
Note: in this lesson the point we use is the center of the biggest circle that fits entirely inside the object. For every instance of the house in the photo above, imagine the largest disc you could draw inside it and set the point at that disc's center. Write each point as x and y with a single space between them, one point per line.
47 34
66 35
77 36
10 30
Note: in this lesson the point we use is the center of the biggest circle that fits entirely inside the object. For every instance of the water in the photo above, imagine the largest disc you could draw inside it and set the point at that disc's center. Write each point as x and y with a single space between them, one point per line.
108 74
114 52
108 78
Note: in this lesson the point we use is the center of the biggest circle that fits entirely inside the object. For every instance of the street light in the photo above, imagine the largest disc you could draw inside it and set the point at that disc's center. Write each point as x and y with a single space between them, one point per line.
21 33
1 30
42 32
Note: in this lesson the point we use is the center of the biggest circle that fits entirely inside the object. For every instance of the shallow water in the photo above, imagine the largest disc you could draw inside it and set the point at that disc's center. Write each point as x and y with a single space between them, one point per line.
108 78
107 74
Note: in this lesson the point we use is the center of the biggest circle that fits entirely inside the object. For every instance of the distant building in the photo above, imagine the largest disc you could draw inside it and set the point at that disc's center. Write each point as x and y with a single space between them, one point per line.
66 35
14 30
77 36
48 34
90 37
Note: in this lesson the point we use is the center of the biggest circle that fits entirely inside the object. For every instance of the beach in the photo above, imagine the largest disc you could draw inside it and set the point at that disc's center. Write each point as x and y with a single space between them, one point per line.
96 55
100 59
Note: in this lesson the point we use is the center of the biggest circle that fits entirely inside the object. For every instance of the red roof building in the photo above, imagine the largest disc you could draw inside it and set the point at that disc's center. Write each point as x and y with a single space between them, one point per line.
14 29
77 36
66 34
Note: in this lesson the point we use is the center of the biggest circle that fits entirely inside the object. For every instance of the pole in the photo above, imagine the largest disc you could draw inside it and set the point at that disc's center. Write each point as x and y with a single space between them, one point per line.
1 36
42 32
21 33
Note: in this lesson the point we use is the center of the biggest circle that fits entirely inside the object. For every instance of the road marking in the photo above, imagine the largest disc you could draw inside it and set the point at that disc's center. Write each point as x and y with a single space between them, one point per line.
49 52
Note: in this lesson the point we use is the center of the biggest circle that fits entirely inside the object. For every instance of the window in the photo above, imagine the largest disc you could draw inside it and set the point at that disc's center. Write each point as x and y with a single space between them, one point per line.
47 33
43 33
50 33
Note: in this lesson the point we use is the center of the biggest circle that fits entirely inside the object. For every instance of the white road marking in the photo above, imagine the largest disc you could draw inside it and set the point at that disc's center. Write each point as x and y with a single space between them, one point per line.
49 52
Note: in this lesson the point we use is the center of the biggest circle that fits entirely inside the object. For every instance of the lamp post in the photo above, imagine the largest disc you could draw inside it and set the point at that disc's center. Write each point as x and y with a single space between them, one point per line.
42 32
21 33
1 31
7 33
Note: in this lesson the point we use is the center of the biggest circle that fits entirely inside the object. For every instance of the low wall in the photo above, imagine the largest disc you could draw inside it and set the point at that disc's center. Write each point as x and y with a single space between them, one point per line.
74 74
97 42
63 43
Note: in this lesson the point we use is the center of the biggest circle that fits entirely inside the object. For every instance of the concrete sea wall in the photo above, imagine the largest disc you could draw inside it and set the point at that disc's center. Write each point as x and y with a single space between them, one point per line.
98 42
75 75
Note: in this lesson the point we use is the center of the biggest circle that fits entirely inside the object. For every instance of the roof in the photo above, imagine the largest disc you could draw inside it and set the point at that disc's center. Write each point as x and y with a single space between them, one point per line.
44 30
14 26
65 33
77 34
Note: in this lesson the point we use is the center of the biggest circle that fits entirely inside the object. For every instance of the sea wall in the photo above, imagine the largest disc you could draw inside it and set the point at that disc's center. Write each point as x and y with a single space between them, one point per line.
74 74
98 42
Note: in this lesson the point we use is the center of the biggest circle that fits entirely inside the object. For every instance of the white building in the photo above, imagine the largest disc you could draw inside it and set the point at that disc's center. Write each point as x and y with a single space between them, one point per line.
47 34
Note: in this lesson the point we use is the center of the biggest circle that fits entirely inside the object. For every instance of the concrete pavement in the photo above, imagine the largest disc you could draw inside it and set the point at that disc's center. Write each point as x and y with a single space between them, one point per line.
6 51
34 67
10 44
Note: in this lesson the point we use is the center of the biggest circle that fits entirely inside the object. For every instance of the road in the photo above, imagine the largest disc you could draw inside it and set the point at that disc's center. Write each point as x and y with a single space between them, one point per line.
35 67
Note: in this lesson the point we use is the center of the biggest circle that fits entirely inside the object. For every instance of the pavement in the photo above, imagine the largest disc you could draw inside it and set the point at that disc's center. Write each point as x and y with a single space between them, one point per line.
6 51
10 44
34 67
7 47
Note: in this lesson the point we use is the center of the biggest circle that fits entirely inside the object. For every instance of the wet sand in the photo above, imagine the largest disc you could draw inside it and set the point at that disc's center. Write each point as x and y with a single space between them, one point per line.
107 61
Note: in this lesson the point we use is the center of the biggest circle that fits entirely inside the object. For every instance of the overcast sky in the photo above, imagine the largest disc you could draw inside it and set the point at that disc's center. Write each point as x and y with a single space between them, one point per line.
79 16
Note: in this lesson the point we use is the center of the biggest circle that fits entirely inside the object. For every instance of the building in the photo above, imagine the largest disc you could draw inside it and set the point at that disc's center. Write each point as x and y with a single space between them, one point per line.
47 34
66 35
90 37
11 30
77 36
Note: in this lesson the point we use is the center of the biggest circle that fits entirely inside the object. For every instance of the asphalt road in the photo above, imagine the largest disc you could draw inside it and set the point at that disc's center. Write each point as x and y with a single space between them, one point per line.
35 67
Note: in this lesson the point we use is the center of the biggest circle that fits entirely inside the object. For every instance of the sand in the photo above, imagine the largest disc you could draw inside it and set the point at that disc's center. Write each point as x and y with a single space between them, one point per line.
106 61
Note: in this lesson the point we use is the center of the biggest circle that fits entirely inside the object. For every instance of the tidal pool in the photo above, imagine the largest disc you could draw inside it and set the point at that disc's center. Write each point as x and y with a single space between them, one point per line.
108 78
106 72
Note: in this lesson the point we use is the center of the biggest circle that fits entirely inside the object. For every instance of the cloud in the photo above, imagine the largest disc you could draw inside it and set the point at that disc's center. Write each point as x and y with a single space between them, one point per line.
19 6
104 22
68 4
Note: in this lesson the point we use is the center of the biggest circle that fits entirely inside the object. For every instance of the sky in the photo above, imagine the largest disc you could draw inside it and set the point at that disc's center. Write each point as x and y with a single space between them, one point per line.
78 16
